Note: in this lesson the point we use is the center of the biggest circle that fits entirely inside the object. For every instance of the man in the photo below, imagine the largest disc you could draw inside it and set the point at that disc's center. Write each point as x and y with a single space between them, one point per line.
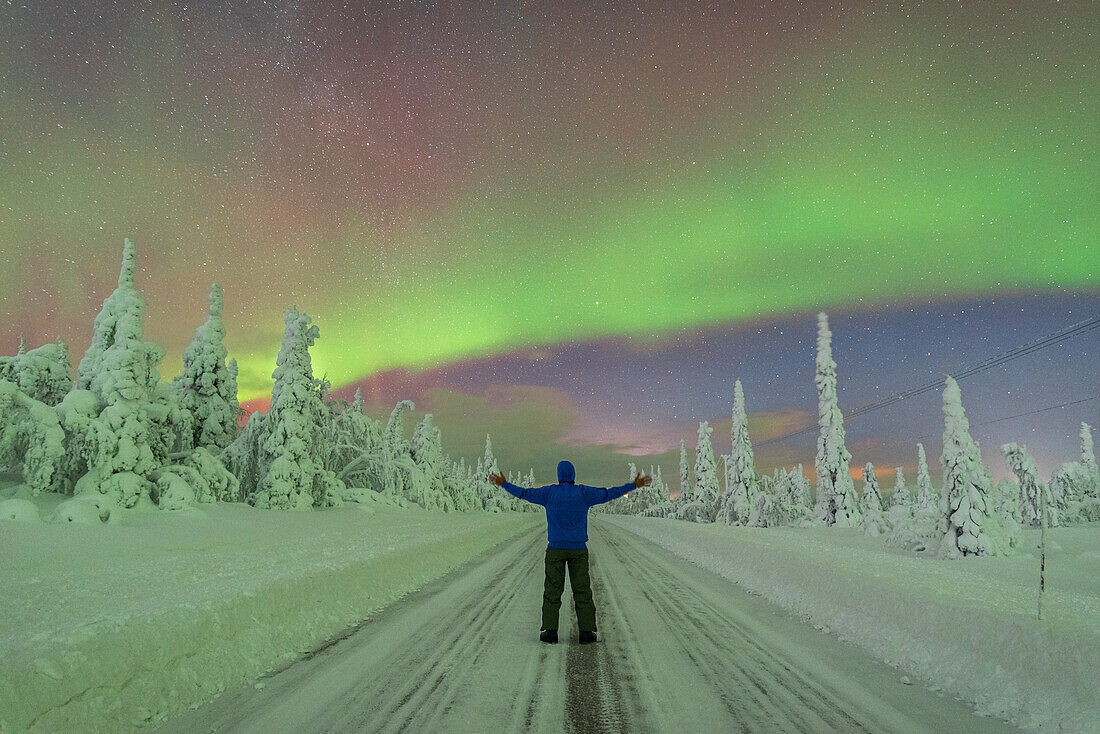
567 506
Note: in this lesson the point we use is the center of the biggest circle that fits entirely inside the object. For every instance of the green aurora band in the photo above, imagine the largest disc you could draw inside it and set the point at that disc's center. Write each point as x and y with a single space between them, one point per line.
869 169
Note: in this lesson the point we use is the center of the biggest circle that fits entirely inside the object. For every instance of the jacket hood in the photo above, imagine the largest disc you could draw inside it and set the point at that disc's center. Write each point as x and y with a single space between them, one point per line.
566 472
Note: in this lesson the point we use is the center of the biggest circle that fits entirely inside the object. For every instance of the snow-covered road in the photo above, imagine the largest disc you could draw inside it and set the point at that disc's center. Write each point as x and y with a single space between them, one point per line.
681 649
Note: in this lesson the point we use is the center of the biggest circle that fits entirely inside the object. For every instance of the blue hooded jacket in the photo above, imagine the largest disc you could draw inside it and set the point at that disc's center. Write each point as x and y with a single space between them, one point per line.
567 505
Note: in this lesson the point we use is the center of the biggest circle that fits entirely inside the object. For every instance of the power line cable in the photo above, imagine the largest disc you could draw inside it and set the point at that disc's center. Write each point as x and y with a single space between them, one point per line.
895 441
997 360
1021 415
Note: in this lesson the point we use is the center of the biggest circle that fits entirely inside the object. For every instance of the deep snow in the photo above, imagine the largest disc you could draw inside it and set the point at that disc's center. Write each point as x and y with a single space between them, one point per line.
108 627
681 650
967 627
120 625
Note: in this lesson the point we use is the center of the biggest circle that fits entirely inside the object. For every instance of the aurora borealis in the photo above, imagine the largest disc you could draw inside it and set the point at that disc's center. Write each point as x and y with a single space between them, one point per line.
597 211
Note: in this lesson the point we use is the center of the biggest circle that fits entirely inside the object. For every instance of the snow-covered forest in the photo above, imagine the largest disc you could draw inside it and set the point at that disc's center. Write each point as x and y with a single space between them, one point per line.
120 436
969 515
90 607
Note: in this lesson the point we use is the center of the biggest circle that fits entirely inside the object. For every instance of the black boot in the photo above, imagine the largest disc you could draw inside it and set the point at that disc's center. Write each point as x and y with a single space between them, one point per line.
549 636
587 637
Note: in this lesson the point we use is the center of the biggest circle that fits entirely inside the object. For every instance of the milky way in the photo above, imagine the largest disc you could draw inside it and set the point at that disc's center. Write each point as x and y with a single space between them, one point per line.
493 186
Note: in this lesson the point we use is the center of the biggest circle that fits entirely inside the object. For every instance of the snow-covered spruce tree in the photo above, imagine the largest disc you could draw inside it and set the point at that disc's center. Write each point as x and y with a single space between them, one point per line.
684 495
740 497
206 389
706 468
658 491
648 498
120 316
1031 488
763 506
457 485
874 523
1079 483
481 491
488 459
625 504
490 497
1006 503
660 504
231 389
629 501
918 526
427 451
926 494
725 488
477 484
654 494
402 477
64 360
1088 499
355 452
701 499
1075 486
1088 456
901 502
800 508
245 457
121 419
972 525
836 494
768 509
121 422
1072 495
292 458
30 435
783 484
356 445
41 373
393 435
770 503
900 494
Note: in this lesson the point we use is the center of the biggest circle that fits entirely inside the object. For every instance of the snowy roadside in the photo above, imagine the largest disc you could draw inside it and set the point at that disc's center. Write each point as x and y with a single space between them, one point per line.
967 628
117 626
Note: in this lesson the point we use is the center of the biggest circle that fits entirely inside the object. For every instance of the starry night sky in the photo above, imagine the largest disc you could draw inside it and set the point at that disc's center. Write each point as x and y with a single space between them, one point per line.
575 224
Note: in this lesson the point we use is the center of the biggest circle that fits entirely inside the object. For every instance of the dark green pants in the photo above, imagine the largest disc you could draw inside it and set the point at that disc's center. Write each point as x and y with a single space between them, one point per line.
557 559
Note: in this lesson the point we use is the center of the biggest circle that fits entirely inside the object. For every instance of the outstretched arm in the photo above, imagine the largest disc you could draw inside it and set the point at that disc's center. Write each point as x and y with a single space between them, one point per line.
535 495
599 495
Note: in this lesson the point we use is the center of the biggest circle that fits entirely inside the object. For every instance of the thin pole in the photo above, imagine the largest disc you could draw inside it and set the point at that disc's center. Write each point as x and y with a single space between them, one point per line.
1042 545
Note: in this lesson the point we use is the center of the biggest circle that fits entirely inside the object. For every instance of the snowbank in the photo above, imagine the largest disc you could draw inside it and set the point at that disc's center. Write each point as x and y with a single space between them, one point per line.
967 627
115 626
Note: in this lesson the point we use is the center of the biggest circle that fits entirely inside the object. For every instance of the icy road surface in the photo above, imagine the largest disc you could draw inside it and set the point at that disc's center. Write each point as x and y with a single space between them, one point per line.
680 650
